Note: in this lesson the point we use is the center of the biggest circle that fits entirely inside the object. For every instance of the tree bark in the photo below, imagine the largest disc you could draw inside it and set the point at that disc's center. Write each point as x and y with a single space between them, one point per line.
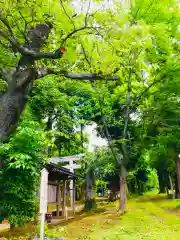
49 126
123 197
178 177
13 102
82 138
88 187
171 186
139 184
162 185
12 227
90 202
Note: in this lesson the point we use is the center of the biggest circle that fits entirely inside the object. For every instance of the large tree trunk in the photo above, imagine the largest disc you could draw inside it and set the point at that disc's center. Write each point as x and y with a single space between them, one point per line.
139 185
13 101
90 202
162 184
123 197
178 178
88 187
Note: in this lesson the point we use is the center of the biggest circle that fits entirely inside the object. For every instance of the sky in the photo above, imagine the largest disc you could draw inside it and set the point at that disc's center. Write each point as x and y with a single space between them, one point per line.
83 6
94 140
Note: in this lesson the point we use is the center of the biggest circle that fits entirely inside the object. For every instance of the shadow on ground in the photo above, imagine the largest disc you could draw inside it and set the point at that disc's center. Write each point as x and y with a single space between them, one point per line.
157 198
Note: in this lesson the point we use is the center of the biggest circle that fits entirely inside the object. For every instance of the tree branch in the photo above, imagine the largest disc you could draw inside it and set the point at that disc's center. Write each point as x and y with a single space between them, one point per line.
28 52
128 101
11 39
40 55
23 33
62 5
42 72
77 30
85 55
86 17
103 5
6 23
126 116
138 99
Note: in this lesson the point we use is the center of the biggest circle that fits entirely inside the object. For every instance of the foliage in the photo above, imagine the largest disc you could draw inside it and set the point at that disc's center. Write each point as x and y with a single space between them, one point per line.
53 106
23 156
137 113
101 162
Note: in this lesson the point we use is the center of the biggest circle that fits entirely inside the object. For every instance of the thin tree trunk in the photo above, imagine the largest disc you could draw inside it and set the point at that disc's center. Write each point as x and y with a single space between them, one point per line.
82 138
178 177
139 187
1 162
176 187
123 197
171 186
88 187
12 227
49 126
167 191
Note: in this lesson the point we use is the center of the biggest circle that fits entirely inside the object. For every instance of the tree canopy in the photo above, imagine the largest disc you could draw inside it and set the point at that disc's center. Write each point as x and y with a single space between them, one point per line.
64 65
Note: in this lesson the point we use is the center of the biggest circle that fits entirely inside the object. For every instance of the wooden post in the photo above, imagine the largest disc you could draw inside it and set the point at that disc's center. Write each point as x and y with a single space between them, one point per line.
58 199
71 192
43 199
74 195
64 210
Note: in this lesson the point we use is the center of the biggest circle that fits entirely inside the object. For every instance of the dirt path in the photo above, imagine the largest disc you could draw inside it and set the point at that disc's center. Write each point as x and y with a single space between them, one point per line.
84 225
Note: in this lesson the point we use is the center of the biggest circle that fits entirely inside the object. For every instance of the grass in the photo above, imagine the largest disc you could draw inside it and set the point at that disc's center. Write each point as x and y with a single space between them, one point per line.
148 217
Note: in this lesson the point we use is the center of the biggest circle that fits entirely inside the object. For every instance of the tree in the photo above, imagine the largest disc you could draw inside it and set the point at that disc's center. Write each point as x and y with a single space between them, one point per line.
138 44
96 166
25 27
145 47
163 129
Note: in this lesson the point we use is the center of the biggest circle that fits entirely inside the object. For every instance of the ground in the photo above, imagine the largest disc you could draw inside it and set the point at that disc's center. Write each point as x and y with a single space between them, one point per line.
148 217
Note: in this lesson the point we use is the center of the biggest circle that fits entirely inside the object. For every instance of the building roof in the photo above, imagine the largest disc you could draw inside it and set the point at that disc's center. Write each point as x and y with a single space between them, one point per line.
66 158
58 173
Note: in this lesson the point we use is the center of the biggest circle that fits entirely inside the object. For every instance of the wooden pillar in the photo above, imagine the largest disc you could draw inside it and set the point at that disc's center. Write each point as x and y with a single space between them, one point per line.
58 199
74 195
64 210
71 192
